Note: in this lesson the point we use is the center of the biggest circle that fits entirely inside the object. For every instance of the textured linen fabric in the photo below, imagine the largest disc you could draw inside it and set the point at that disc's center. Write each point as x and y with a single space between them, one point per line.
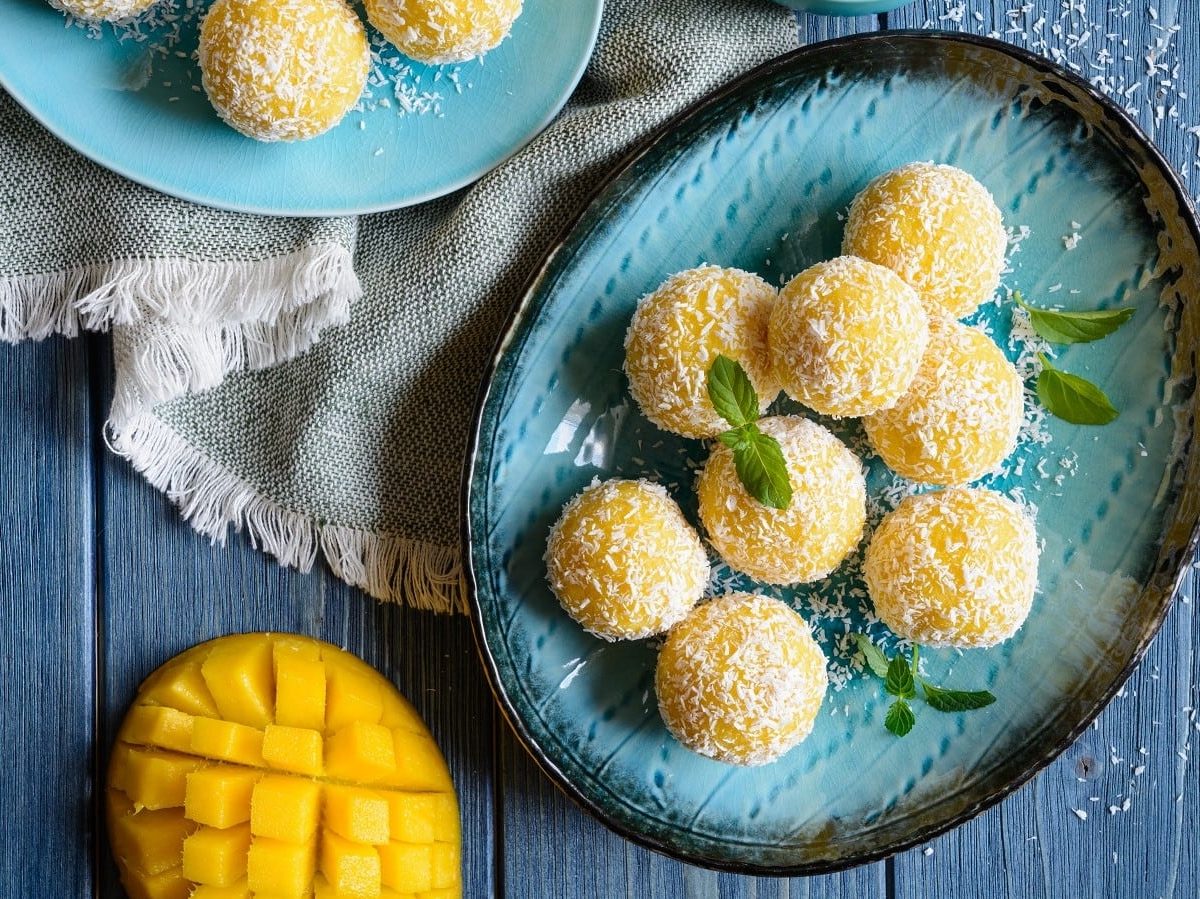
355 447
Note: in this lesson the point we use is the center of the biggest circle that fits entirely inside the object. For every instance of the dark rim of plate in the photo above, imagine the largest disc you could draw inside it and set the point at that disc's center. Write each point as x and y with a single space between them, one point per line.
1130 131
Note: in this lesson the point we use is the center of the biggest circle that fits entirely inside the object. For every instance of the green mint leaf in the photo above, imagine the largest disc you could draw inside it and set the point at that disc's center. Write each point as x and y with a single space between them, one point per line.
1073 398
733 439
731 393
899 678
1058 326
900 718
762 469
955 700
874 657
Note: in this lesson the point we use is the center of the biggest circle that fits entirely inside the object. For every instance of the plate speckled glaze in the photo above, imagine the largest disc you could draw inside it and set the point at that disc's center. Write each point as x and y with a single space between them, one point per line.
136 112
757 176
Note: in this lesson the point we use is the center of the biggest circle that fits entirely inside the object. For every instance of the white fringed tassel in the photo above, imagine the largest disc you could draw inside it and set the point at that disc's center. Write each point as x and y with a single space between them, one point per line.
389 567
178 291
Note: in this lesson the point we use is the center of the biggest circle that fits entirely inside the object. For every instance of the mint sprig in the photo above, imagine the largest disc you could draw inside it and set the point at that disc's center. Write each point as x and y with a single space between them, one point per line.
1060 326
1073 398
900 679
757 457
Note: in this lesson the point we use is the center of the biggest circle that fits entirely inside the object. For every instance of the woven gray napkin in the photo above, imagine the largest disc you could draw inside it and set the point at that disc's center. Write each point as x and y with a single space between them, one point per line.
351 447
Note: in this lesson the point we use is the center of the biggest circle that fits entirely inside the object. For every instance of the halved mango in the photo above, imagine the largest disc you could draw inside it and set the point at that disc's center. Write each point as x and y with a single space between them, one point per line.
248 762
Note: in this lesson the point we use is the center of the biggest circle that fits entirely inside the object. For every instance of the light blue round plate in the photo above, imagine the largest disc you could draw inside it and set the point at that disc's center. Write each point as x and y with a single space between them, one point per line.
139 112
757 176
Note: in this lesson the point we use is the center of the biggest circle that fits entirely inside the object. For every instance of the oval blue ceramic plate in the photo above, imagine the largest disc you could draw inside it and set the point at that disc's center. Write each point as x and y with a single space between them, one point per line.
135 107
757 176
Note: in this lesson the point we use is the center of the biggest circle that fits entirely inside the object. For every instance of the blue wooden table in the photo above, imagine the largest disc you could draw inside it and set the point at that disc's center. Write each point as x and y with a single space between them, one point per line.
100 582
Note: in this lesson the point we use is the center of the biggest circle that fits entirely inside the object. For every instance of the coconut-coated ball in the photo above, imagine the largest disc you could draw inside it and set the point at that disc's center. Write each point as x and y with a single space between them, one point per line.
818 529
936 227
960 418
846 337
741 679
283 70
956 567
443 31
677 333
623 560
103 10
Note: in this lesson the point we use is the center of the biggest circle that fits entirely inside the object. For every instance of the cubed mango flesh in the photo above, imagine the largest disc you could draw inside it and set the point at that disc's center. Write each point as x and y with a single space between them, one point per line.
180 688
240 678
227 741
419 764
412 817
153 779
215 856
361 751
300 691
239 890
220 796
165 885
285 808
296 749
352 695
357 814
286 869
407 867
352 869
159 726
248 763
147 841
445 865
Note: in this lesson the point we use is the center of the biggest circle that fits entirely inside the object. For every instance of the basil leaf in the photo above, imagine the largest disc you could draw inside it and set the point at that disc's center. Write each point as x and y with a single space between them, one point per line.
731 393
1058 326
899 678
1073 398
955 700
900 718
762 469
875 658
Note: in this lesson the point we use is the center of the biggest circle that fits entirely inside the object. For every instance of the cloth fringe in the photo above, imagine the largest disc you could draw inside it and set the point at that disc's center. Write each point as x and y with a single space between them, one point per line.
387 566
179 291
158 362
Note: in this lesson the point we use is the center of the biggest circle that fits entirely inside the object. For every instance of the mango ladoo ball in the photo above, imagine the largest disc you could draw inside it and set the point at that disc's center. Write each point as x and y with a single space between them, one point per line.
677 333
740 680
818 529
960 418
846 337
624 562
953 568
443 31
935 226
283 70
278 765
102 10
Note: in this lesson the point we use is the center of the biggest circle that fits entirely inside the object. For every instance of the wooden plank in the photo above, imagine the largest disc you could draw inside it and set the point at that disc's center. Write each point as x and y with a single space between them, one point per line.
1034 845
554 849
47 644
165 589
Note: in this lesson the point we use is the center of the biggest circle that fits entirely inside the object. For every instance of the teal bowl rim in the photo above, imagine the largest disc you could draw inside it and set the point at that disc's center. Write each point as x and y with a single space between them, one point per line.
1164 580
